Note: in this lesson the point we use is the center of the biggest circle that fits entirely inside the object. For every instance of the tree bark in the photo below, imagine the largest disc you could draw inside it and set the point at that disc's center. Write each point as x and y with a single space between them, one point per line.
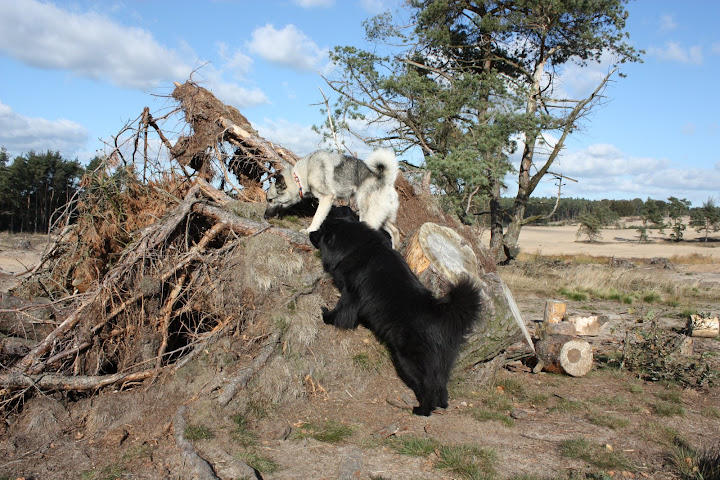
439 257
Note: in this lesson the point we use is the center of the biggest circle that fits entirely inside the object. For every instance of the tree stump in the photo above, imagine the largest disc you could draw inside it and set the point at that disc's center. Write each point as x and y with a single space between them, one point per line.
562 353
440 257
554 311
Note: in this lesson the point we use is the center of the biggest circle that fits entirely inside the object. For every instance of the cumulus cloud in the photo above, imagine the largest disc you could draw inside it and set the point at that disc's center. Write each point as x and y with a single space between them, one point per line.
301 139
288 46
606 160
20 134
674 52
314 3
90 45
373 6
236 95
237 63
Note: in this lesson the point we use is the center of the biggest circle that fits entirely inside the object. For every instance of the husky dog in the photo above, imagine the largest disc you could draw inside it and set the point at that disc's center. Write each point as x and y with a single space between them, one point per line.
379 291
327 176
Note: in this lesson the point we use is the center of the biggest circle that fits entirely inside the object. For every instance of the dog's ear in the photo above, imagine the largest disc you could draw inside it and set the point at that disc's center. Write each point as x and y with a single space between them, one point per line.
280 181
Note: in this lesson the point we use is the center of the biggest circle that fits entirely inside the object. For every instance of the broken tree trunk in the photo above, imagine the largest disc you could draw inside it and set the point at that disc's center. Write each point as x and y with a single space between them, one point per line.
562 353
440 257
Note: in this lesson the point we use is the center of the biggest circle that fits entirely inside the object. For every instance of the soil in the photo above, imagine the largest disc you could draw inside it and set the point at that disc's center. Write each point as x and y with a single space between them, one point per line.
524 421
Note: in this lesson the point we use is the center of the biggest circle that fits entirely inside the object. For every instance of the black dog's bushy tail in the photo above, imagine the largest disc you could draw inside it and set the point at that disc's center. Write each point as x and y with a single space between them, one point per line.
462 305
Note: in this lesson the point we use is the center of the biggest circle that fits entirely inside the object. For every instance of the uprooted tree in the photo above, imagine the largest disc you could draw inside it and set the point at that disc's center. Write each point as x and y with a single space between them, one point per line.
152 263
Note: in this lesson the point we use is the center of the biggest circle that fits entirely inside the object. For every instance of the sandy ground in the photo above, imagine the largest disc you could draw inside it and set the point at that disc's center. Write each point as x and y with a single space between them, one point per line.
617 242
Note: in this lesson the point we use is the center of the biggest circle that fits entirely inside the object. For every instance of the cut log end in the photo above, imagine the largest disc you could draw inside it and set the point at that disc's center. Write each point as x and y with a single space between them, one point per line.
564 354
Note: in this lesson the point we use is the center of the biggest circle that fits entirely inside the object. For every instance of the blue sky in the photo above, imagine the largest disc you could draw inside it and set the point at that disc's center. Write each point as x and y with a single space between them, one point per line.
72 73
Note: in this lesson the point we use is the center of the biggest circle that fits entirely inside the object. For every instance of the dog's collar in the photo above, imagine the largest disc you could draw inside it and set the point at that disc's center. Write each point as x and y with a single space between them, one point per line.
297 180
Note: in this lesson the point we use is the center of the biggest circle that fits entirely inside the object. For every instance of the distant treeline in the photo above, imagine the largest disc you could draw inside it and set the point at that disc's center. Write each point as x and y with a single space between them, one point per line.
572 209
34 185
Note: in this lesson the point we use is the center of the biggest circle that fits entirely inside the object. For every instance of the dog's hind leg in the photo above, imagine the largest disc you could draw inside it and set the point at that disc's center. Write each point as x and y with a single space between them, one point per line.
324 205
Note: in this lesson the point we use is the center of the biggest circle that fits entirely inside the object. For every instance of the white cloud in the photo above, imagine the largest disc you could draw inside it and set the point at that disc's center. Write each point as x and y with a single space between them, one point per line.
667 23
300 139
605 160
238 63
20 134
674 52
235 95
577 82
374 6
314 3
289 47
89 45
715 48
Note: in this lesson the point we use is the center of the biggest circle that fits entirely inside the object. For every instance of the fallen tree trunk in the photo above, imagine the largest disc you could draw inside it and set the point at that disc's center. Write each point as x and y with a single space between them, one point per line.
440 257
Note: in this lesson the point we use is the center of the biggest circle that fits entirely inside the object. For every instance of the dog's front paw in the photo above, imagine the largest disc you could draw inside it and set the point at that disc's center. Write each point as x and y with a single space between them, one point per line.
328 316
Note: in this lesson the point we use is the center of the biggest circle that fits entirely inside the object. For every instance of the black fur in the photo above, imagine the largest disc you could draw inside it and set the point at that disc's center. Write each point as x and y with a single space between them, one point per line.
379 291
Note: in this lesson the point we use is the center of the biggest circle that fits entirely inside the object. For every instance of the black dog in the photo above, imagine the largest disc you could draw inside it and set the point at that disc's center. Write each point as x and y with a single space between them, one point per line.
379 291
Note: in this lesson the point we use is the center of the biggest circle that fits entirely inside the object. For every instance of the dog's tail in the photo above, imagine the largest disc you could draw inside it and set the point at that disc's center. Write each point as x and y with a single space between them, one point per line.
384 164
462 305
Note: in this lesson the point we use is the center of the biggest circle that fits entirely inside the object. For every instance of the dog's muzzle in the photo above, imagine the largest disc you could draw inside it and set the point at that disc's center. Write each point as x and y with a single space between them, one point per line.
271 210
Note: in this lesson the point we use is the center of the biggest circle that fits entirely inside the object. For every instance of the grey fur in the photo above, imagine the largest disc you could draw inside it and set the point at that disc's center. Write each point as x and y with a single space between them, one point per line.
329 176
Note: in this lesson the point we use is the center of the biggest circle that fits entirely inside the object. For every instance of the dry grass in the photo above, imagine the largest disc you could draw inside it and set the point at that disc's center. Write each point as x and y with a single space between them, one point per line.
596 278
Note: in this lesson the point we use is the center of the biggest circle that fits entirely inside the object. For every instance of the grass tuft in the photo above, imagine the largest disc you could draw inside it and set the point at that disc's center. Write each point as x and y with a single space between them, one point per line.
582 449
414 446
197 432
467 461
328 431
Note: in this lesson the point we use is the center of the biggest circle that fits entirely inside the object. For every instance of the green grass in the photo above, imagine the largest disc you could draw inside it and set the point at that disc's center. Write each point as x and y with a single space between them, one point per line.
197 432
606 420
568 406
692 464
257 461
594 454
651 297
710 412
414 446
634 387
575 294
668 409
108 472
671 396
483 414
467 461
242 433
328 431
660 434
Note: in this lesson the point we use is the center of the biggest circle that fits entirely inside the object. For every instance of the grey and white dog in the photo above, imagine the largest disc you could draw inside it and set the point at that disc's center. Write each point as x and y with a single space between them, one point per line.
329 176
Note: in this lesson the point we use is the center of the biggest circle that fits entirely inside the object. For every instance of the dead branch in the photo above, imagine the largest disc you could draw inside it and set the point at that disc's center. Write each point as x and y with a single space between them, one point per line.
47 381
243 376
